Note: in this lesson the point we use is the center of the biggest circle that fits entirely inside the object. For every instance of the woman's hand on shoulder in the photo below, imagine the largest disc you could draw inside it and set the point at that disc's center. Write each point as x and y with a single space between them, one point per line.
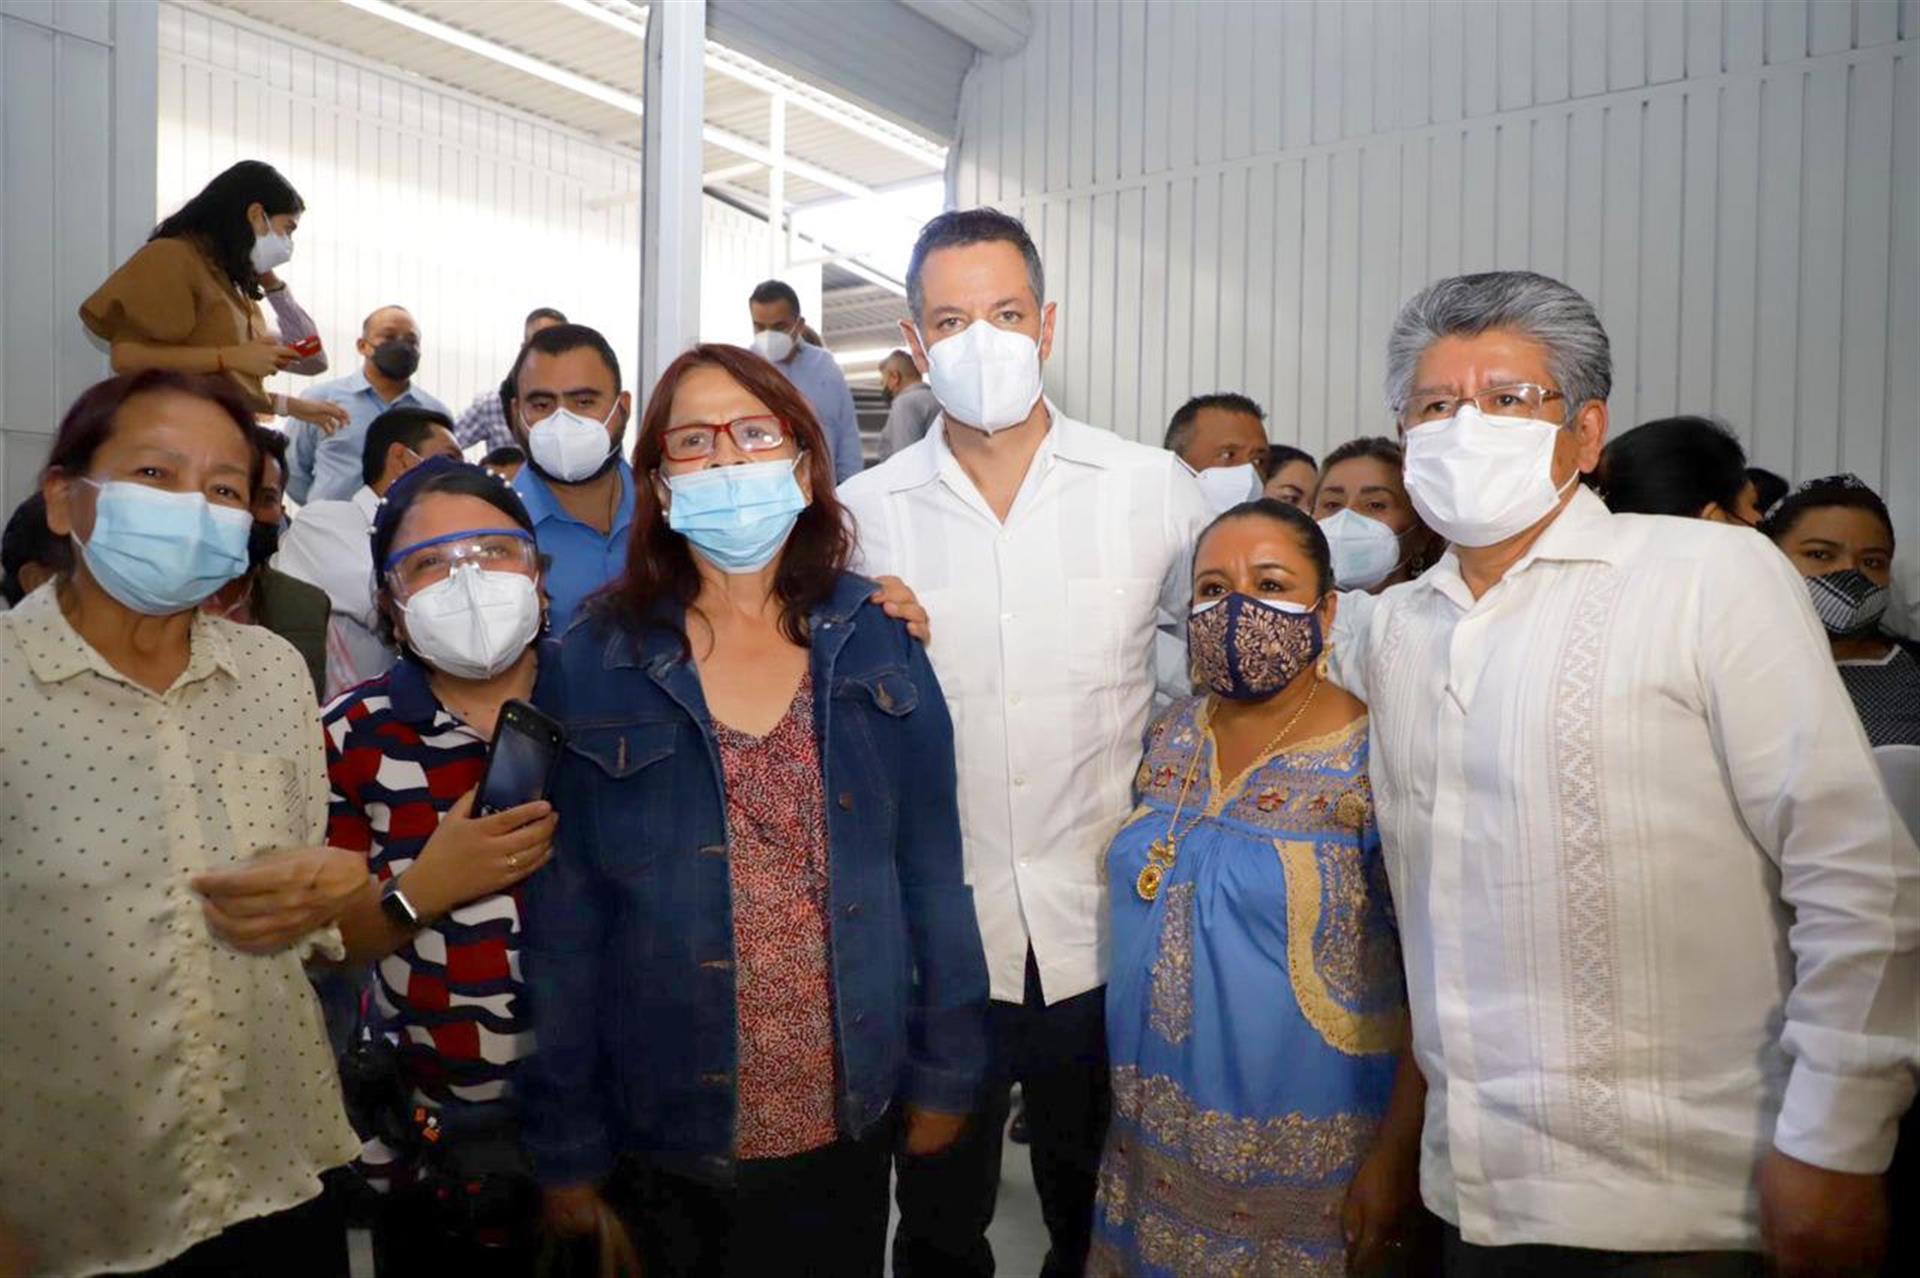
267 904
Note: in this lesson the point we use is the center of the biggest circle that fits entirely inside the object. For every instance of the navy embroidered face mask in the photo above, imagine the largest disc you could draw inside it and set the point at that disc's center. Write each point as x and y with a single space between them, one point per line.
1247 649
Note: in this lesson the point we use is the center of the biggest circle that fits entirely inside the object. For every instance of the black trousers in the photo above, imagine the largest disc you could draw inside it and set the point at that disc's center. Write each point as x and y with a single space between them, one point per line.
821 1214
1528 1260
1058 1055
307 1241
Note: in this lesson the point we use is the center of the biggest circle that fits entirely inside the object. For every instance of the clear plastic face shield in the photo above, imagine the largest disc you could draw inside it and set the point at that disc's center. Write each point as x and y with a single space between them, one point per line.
411 569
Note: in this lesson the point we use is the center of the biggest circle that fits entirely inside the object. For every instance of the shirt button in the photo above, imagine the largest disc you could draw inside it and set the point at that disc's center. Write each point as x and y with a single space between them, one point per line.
846 801
1006 616
1020 782
1014 699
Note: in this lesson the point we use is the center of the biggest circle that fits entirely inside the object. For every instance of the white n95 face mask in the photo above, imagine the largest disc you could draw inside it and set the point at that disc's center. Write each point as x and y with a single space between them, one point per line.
474 623
986 377
1365 551
773 345
1478 480
569 447
1227 486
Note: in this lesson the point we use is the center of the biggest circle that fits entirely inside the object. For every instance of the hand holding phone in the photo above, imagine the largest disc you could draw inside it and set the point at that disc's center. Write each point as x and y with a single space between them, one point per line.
526 746
468 856
307 347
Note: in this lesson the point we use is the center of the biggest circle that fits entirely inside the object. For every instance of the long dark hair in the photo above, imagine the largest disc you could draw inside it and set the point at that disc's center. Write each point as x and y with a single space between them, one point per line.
1674 466
660 567
217 218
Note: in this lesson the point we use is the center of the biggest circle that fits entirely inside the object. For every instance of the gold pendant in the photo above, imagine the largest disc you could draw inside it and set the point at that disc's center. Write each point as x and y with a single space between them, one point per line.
1148 884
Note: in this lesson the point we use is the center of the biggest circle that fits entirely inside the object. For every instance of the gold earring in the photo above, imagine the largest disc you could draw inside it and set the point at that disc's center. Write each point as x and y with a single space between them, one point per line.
1320 667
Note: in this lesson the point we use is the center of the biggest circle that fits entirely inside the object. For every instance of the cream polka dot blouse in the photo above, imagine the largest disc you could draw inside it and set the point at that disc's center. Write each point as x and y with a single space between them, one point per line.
155 1086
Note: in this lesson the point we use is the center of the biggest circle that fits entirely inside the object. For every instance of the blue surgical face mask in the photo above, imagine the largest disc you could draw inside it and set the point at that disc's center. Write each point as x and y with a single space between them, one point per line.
737 517
161 552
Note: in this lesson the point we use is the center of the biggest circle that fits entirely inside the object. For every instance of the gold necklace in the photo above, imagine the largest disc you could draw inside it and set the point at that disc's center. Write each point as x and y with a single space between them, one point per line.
1163 851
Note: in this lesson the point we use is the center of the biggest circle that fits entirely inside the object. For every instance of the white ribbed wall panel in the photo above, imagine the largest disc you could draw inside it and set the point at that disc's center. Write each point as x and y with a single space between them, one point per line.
1234 195
76 193
466 213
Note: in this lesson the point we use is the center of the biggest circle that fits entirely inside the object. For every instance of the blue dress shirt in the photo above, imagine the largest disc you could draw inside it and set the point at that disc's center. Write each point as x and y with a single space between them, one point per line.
581 558
816 374
328 467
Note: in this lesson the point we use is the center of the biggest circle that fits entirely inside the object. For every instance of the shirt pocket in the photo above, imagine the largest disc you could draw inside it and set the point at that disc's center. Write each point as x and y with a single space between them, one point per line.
1110 629
630 775
264 799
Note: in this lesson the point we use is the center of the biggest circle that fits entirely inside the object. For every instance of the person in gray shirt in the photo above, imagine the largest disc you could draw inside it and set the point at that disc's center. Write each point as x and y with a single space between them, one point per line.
911 406
777 329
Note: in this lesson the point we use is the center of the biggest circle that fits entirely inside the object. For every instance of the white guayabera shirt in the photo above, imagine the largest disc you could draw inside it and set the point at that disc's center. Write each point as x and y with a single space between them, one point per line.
1656 910
156 1087
1043 633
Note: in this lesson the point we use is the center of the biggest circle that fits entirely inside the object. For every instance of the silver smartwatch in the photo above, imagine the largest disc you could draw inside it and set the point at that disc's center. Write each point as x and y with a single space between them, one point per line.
398 908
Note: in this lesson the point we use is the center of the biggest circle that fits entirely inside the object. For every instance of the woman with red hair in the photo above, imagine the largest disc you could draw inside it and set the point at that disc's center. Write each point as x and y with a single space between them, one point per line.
753 959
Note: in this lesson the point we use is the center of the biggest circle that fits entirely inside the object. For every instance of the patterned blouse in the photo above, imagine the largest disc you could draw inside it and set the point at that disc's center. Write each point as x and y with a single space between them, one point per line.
777 837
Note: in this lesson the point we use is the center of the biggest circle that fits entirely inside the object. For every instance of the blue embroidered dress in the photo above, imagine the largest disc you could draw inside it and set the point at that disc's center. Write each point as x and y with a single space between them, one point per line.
1253 1013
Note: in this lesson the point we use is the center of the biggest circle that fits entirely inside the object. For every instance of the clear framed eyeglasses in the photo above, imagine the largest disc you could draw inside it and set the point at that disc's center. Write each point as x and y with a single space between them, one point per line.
1521 399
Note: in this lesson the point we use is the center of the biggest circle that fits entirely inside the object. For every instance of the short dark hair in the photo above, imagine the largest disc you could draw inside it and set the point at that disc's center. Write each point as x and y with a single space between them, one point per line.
1180 429
1279 455
558 340
898 361
1673 466
273 447
1377 447
505 455
543 312
434 475
769 291
1298 522
1768 488
961 227
217 217
408 426
28 540
89 422
1848 492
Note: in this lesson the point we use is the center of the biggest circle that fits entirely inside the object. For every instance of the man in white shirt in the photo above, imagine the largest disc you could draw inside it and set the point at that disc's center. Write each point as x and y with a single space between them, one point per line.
328 546
1041 548
1659 920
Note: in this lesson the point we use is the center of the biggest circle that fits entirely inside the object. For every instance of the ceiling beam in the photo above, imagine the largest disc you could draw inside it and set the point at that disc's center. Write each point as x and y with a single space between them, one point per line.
738 67
726 139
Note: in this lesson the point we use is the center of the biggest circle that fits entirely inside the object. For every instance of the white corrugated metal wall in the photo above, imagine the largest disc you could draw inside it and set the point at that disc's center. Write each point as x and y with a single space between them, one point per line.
466 213
76 194
1240 195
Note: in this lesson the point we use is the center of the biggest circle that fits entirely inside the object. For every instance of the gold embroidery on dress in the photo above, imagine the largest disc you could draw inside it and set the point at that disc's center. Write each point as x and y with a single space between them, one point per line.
1235 1149
1332 960
1210 1193
1171 993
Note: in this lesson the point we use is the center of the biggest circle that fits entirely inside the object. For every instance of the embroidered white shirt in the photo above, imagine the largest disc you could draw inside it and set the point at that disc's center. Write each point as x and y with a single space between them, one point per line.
155 1085
1043 636
1656 911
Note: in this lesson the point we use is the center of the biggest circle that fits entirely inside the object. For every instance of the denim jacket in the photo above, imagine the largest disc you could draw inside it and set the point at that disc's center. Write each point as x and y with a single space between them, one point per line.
629 951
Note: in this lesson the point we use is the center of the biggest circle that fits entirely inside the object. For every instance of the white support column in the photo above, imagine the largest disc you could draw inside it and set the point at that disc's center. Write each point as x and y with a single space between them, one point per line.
671 187
776 184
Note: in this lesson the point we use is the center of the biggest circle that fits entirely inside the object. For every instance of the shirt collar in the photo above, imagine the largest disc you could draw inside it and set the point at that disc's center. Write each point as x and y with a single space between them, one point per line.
409 693
356 382
368 502
1583 530
537 496
1066 440
55 651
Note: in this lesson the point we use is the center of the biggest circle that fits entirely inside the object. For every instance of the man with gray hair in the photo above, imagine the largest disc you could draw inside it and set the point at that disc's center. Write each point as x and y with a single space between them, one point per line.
1659 920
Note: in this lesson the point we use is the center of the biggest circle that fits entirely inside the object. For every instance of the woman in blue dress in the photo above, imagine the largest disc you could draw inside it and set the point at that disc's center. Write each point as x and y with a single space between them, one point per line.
1263 1119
